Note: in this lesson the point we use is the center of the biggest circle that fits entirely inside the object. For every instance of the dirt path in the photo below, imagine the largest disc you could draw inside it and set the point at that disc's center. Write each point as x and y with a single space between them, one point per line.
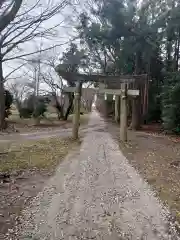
44 134
96 194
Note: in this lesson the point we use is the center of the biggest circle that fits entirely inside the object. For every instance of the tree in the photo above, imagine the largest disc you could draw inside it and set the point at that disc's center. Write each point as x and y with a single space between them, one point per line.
29 110
21 22
170 102
42 72
55 91
20 90
8 103
72 60
124 38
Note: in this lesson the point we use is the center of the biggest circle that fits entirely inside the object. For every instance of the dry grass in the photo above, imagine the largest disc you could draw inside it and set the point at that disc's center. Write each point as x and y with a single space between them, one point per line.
24 169
41 155
154 164
51 121
157 159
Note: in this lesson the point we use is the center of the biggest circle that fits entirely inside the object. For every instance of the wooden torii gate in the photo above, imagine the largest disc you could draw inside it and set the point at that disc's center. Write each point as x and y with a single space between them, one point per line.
124 92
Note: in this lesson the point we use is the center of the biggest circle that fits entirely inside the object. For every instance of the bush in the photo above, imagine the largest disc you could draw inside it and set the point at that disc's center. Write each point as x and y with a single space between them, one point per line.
25 113
154 103
29 103
29 110
171 102
40 109
8 103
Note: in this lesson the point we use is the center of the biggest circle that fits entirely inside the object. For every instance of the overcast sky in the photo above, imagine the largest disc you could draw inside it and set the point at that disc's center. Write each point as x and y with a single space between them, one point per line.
65 33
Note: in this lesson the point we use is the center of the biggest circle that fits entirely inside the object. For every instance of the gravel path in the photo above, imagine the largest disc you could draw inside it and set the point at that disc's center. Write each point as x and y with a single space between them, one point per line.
59 132
96 194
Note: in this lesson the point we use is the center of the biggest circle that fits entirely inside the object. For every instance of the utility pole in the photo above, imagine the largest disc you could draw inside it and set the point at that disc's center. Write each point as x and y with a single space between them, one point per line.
38 70
37 79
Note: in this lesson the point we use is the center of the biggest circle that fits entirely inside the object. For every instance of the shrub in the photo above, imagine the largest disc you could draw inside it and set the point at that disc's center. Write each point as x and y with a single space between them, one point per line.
8 103
171 102
40 109
33 106
25 113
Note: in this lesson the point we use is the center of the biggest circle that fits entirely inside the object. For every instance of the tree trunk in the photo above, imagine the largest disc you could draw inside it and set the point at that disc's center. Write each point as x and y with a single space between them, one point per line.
169 58
2 98
18 104
136 102
71 99
175 55
59 109
177 52
117 108
136 122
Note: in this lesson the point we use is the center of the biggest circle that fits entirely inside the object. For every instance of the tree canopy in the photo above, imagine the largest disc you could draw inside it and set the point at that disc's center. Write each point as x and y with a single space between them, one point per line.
126 37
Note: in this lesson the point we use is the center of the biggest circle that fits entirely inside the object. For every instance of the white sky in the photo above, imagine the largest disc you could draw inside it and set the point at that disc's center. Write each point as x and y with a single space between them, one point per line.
65 34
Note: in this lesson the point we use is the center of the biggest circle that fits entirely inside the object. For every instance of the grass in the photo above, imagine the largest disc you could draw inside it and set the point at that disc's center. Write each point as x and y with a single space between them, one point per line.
50 121
40 155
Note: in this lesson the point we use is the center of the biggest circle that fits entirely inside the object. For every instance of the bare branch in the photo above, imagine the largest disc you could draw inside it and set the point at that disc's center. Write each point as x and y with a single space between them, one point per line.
19 90
1 3
5 19
35 52
14 70
29 10
27 25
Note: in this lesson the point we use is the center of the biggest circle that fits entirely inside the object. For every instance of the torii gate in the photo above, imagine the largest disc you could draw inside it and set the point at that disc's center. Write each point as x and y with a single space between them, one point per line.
124 92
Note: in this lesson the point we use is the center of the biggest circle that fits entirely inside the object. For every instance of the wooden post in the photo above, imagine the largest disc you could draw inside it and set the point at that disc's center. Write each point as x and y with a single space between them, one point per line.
117 108
77 106
123 120
105 107
136 106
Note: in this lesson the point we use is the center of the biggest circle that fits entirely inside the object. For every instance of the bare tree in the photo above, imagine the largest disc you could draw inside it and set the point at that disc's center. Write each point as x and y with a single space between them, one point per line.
20 91
54 83
55 93
22 21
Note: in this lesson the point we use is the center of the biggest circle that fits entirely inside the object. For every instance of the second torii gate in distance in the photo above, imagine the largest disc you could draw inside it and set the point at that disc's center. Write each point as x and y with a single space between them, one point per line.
123 91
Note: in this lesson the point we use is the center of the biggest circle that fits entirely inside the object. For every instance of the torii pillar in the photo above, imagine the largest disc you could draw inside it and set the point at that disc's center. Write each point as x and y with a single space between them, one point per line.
117 108
77 106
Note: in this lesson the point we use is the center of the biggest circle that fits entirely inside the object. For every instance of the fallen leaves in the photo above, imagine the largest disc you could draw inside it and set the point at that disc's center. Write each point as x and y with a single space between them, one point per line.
23 170
157 158
43 154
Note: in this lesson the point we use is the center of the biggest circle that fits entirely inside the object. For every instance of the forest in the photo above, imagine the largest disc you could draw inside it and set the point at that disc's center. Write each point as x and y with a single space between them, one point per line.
127 37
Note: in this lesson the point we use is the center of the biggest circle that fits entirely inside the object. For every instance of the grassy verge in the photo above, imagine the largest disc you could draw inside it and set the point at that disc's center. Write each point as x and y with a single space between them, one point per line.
156 165
156 158
40 155
50 121
24 169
